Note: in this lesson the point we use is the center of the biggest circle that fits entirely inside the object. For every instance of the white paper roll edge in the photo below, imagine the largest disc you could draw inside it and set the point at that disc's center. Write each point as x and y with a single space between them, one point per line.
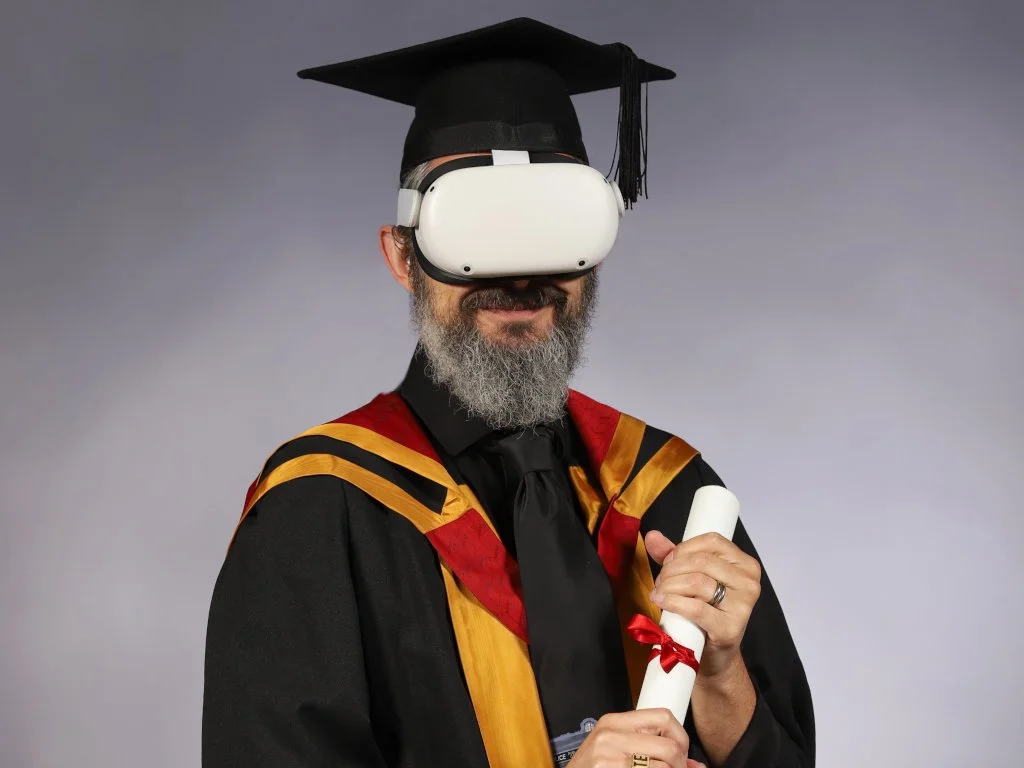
715 509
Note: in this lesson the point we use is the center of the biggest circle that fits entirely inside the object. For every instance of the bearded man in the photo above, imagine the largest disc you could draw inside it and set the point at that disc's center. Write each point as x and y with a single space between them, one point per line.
446 576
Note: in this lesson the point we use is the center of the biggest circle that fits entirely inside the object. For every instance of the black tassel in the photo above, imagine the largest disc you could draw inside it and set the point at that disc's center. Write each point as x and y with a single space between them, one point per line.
631 134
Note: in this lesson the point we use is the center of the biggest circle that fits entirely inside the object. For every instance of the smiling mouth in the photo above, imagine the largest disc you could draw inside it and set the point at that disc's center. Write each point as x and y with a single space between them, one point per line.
515 303
517 312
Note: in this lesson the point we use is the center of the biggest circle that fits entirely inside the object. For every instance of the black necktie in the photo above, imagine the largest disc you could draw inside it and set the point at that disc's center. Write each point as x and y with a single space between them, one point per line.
571 618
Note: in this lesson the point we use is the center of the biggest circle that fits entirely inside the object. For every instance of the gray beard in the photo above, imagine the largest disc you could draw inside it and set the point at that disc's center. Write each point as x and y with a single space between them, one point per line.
509 387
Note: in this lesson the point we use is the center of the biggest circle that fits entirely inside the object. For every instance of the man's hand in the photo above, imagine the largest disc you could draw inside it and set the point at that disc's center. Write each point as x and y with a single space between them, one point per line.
689 576
651 732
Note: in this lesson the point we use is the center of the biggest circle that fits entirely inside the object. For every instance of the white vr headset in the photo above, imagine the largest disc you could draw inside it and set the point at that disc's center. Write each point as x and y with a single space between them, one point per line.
511 215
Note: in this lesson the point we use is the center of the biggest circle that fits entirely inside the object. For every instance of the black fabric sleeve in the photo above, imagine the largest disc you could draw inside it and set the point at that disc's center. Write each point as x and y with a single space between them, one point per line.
781 732
285 683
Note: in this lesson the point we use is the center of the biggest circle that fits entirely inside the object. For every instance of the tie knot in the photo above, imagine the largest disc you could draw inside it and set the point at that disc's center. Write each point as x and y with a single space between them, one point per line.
530 450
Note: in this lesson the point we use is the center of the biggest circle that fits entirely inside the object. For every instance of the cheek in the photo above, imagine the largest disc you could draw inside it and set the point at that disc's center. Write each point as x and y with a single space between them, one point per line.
448 298
573 289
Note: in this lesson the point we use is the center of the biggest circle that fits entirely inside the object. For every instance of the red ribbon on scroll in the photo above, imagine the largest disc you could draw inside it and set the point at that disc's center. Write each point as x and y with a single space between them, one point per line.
646 632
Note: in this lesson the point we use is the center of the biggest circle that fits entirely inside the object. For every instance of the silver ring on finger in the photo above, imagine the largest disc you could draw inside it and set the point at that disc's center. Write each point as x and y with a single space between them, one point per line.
719 596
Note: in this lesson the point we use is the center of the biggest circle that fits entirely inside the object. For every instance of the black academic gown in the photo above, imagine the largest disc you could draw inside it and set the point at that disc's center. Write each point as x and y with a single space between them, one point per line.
329 642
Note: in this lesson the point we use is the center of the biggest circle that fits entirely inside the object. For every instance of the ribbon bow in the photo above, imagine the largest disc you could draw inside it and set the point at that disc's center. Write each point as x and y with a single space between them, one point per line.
646 632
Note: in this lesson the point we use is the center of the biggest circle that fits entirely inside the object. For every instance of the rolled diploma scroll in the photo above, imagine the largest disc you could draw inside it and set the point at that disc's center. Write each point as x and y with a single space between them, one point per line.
714 509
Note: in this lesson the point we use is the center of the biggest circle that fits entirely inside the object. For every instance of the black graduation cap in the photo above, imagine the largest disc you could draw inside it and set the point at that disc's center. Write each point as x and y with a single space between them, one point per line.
506 86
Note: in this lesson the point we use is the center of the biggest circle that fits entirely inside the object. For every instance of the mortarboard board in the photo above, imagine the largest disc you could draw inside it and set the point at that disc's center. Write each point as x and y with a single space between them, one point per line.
509 87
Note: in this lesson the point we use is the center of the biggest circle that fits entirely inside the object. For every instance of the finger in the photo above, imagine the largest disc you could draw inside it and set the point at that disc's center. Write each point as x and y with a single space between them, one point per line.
656 720
653 764
666 724
659 546
717 544
663 748
714 622
698 585
712 542
712 565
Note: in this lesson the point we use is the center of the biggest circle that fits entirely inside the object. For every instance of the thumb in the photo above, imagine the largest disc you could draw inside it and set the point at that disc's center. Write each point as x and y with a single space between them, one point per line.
659 546
694 764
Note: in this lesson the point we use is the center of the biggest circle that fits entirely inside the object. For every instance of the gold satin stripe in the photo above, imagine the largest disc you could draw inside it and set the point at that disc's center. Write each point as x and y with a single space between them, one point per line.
638 600
459 499
622 452
386 448
384 491
500 681
593 504
655 476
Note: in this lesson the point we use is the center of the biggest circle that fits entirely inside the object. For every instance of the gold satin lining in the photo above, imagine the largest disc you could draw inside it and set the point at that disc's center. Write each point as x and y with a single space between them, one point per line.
591 501
393 451
384 491
460 498
622 453
500 681
655 476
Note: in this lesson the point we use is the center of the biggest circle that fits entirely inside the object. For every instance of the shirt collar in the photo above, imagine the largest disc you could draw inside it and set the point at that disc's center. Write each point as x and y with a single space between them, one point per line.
445 418
438 409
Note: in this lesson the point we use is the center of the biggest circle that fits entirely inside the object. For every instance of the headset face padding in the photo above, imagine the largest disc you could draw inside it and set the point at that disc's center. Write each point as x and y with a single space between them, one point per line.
486 222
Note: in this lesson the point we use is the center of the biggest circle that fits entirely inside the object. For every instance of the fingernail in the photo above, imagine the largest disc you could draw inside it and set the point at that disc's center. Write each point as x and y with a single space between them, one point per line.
657 597
668 557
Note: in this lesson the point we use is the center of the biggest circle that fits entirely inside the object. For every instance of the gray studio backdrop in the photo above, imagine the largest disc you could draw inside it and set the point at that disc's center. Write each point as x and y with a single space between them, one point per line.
823 294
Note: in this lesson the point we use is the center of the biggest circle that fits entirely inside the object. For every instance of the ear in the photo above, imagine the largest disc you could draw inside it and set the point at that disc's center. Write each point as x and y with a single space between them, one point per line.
394 257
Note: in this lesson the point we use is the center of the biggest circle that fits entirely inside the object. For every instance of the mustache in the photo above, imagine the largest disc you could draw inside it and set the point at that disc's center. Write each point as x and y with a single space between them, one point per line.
507 297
